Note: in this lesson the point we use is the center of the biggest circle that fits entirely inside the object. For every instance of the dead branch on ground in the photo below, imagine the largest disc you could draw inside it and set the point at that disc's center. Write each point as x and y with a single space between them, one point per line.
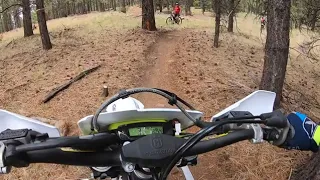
238 84
55 91
9 43
308 50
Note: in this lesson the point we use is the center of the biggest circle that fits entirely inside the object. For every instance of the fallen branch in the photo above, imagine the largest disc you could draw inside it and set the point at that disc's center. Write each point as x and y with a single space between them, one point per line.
238 84
9 43
55 91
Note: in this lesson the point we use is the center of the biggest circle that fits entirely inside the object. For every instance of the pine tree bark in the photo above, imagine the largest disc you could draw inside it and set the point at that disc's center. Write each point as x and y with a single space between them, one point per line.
276 48
114 5
310 170
89 5
74 8
217 25
155 2
123 6
45 38
203 5
5 22
10 22
1 24
27 23
160 5
148 20
102 7
188 8
231 15
314 19
17 19
68 8
84 8
97 5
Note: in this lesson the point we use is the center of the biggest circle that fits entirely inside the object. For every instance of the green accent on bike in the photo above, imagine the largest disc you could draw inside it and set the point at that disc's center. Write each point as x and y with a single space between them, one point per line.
115 126
316 135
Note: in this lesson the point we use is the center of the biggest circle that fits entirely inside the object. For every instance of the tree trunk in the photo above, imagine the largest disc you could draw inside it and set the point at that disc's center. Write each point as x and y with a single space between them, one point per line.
314 18
10 23
123 6
1 24
102 7
114 5
155 2
231 15
74 8
53 10
160 5
5 21
84 8
97 5
46 43
17 19
276 48
203 6
188 8
148 21
310 170
68 8
27 23
89 5
217 26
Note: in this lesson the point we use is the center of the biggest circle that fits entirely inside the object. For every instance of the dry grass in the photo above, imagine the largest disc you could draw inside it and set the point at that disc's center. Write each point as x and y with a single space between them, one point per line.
204 77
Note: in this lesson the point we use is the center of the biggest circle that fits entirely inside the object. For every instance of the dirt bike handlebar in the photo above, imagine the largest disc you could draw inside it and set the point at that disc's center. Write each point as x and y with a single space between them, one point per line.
109 158
153 150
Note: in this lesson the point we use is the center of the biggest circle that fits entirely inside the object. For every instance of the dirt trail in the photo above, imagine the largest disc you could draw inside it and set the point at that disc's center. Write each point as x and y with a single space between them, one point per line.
159 74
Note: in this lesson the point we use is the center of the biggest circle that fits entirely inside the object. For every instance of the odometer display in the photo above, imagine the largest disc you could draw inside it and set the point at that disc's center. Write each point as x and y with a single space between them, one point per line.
143 131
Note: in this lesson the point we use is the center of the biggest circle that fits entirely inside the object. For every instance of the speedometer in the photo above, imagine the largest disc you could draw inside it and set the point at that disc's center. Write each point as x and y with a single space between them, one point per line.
136 129
143 131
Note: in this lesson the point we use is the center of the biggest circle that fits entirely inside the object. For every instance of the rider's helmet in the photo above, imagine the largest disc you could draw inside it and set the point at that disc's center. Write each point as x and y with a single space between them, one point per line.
125 105
177 3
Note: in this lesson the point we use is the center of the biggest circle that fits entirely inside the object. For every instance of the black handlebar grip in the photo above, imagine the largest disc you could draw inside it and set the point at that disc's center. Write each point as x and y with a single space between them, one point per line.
275 119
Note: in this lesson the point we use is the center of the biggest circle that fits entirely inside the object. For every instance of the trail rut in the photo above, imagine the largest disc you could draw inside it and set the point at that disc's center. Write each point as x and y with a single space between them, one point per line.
160 70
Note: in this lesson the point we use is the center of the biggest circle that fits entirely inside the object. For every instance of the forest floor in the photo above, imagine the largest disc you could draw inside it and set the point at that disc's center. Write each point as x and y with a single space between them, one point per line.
177 58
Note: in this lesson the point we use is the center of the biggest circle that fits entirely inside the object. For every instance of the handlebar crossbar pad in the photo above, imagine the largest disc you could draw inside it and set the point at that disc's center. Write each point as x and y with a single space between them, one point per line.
151 151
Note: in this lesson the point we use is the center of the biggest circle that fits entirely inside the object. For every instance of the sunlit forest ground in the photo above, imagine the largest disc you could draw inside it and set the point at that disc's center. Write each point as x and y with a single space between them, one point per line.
178 58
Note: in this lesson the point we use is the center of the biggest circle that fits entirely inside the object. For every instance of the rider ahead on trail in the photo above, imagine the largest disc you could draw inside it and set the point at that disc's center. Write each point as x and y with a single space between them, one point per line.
177 10
263 21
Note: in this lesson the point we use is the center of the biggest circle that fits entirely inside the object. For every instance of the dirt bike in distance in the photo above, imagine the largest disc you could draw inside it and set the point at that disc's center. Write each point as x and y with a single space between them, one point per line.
124 140
172 20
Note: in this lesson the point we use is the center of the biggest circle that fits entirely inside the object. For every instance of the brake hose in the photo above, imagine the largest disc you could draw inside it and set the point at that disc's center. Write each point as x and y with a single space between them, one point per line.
173 100
196 138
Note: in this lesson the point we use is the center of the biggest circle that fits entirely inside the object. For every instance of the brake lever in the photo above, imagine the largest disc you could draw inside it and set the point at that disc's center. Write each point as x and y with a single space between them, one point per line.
275 119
